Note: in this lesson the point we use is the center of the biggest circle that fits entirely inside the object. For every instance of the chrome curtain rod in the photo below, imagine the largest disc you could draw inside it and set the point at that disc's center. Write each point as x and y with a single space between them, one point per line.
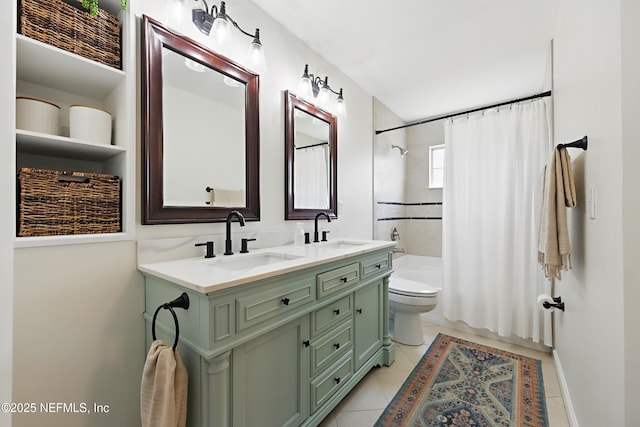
461 113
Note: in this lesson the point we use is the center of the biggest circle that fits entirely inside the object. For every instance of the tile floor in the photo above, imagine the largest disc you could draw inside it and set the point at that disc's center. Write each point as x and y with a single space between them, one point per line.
365 403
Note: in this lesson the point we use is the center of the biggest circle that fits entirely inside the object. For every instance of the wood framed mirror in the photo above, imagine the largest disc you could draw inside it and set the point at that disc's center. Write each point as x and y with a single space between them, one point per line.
311 156
201 135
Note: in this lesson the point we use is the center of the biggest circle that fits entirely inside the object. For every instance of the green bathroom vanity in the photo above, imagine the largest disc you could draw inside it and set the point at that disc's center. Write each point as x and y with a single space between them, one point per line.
279 336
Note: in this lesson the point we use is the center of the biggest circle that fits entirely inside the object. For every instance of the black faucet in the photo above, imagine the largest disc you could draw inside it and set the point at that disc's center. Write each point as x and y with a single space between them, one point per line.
227 242
315 232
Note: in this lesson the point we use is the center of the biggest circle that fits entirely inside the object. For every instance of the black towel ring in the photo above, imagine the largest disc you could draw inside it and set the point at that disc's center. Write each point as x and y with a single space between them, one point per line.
182 302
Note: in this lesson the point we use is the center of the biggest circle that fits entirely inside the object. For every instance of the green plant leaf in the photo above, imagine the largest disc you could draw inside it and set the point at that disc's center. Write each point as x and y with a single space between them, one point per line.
92 6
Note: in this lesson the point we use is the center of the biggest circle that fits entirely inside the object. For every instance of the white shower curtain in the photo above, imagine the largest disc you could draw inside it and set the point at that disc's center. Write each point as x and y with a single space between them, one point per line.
491 210
311 183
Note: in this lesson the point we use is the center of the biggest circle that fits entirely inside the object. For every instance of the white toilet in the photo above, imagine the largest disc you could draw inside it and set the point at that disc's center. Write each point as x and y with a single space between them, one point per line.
407 300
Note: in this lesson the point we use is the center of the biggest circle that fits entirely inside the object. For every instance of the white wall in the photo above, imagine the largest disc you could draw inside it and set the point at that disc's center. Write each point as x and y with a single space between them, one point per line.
589 83
193 130
424 236
78 332
7 197
630 12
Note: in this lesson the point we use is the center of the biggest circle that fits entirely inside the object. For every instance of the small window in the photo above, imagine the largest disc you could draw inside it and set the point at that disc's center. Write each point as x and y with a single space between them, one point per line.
436 166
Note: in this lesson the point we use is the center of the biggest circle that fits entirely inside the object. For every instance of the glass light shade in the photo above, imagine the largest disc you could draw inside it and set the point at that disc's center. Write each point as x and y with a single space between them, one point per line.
231 82
324 95
256 61
304 88
341 107
221 33
176 12
193 65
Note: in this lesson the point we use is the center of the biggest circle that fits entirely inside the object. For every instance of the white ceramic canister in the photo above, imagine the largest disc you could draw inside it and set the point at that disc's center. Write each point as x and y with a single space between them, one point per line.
90 124
37 115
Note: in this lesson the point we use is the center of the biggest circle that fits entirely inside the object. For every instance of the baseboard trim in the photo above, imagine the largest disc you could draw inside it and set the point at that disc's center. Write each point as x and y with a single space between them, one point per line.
564 389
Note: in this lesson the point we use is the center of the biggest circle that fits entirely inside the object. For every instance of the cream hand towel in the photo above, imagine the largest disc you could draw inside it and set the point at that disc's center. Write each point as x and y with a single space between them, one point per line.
568 185
228 198
554 251
163 392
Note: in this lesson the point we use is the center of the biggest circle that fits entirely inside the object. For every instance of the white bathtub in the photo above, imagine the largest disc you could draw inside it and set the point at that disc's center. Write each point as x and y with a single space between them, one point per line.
425 269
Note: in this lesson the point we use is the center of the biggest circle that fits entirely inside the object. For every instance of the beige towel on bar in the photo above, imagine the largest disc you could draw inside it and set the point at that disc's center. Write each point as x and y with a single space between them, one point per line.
554 251
163 392
228 198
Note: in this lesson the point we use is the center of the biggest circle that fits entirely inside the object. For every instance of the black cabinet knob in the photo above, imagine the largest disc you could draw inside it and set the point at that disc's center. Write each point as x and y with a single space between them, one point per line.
337 311
359 311
285 301
306 343
337 380
337 345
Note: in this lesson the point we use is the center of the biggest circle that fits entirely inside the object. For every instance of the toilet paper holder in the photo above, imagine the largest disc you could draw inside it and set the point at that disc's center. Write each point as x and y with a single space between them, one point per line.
557 303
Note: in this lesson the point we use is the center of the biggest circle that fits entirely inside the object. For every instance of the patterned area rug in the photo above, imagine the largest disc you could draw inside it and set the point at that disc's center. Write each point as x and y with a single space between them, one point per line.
461 383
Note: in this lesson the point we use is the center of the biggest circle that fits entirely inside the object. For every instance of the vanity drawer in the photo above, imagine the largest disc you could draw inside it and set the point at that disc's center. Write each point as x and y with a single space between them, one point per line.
254 308
375 264
338 279
331 315
331 346
326 384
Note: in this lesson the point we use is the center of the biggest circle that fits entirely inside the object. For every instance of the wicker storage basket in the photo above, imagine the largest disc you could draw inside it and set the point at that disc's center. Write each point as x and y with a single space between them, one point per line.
56 203
69 27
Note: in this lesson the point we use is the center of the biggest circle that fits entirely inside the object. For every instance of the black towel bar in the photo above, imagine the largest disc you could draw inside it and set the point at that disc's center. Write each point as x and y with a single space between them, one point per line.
580 143
181 302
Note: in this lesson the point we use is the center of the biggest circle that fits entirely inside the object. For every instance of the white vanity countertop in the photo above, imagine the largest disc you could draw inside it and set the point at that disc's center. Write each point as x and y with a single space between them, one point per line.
206 275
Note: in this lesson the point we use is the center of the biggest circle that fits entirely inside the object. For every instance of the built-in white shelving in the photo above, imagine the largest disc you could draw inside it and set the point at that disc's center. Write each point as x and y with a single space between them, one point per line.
61 146
64 78
50 66
38 241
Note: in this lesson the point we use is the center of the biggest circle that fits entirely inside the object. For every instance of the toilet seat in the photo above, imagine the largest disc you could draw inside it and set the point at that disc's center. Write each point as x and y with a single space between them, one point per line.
411 288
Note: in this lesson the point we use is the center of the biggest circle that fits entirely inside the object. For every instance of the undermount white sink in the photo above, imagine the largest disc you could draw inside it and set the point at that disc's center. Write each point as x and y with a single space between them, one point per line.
342 244
247 261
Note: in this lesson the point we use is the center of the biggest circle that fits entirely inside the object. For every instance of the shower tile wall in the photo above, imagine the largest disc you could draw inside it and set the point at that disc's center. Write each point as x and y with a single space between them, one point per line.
424 236
405 181
389 172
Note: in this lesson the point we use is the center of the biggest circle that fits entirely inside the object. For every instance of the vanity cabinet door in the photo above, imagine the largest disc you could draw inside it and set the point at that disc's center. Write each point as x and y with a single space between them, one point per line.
270 378
368 322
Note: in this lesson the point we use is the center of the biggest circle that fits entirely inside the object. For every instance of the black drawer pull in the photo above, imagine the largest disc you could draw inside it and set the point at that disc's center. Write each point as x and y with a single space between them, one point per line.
285 301
343 279
337 345
337 380
337 311
306 343
359 311
378 266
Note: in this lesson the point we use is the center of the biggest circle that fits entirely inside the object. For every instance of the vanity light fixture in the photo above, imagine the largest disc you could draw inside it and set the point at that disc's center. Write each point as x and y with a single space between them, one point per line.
215 21
314 86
